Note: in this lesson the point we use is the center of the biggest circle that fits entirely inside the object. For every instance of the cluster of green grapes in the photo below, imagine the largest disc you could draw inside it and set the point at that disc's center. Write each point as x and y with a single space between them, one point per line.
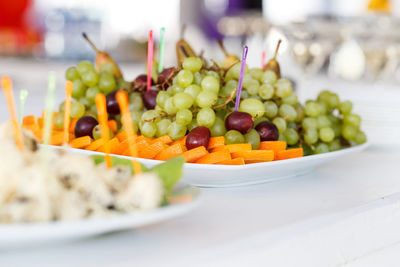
87 84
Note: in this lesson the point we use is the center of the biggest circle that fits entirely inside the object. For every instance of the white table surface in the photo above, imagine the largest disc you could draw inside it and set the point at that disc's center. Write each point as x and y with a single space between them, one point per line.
327 216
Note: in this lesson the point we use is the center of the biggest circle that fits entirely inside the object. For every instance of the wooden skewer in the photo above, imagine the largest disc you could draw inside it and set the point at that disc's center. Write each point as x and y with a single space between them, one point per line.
100 100
122 98
67 110
6 83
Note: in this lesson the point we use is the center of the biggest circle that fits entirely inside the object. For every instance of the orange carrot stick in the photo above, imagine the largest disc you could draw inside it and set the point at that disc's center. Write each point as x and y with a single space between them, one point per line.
100 100
216 141
6 83
72 125
122 98
170 152
112 124
67 109
28 120
122 136
194 154
290 153
258 155
276 146
233 147
166 139
236 161
215 157
95 145
81 142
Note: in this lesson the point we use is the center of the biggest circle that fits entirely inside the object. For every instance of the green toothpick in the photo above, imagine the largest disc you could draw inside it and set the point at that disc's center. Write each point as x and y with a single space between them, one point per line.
50 102
161 51
23 94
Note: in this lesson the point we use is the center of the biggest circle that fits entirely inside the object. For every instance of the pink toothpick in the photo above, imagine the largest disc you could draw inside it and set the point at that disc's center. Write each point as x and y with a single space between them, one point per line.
242 69
149 59
263 56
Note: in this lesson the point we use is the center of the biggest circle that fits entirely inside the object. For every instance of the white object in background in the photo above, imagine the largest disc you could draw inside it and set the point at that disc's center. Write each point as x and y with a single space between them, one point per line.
212 175
349 61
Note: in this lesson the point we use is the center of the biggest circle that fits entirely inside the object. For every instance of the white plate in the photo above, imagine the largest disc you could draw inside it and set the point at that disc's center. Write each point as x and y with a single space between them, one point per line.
20 235
208 175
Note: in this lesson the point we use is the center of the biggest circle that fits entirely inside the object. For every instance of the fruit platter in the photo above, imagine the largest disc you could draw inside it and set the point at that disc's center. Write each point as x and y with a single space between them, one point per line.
232 123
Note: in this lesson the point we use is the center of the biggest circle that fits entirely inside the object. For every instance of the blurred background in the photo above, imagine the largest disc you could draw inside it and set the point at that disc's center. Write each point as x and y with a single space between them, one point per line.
350 47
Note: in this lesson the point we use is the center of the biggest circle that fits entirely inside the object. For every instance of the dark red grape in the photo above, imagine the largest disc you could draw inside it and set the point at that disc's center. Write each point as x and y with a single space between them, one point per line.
267 131
150 99
112 103
199 136
239 121
165 78
84 126
140 83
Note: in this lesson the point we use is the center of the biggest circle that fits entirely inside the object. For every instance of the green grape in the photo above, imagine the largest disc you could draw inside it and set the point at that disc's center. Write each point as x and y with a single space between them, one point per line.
324 95
176 131
255 97
349 131
84 66
79 89
77 110
311 136
321 148
309 123
158 108
300 112
176 89
218 129
345 107
148 129
150 115
192 63
162 127
206 117
253 87
234 137
252 106
234 72
326 134
231 84
61 107
292 125
333 101
307 150
244 95
291 136
72 74
271 109
220 101
209 83
162 96
226 91
135 101
59 121
269 76
281 137
287 112
175 80
266 91
206 99
193 90
91 93
192 125
90 78
96 132
122 84
221 113
259 120
323 108
333 119
213 74
85 102
185 78
93 109
256 73
334 145
360 138
253 138
337 129
290 100
183 101
323 121
169 106
90 114
283 88
197 78
184 116
280 123
312 109
107 67
106 83
352 119
136 117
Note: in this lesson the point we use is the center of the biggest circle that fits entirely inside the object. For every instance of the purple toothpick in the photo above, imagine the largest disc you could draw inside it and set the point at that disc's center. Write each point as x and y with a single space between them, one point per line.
242 68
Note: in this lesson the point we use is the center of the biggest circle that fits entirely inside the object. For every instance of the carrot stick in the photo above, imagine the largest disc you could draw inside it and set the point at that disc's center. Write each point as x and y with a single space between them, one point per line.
113 125
95 145
6 83
57 138
67 109
122 136
100 100
150 151
216 141
28 120
72 125
290 153
215 157
181 141
166 139
259 155
170 152
233 147
122 98
276 146
194 154
236 161
111 145
81 142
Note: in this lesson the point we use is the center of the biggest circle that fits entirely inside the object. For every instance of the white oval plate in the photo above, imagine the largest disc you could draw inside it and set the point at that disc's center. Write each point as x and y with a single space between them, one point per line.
209 175
21 235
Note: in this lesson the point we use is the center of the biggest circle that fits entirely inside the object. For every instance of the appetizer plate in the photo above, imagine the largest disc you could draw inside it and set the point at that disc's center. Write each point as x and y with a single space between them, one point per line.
208 175
21 235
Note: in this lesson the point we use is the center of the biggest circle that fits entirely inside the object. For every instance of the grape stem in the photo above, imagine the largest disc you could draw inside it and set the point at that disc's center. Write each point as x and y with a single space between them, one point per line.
162 115
230 99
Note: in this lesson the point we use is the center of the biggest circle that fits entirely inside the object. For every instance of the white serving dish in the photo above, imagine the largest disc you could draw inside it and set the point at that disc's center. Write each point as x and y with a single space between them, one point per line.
32 234
208 175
